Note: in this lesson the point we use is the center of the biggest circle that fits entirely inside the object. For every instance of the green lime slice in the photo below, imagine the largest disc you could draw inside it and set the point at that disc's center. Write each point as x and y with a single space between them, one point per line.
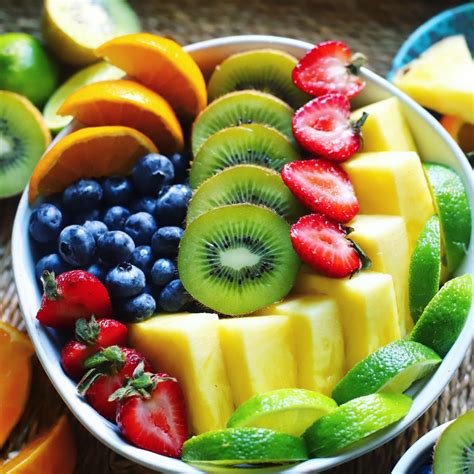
392 368
354 421
452 205
288 410
244 446
443 319
101 71
425 268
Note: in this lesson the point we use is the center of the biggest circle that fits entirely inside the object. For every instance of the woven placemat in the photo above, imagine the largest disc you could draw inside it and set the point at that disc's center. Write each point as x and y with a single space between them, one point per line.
375 28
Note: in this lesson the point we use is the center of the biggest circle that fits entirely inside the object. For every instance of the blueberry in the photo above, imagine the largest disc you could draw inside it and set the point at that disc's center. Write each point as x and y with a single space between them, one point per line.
125 280
83 194
181 164
115 217
76 245
165 241
163 271
173 296
137 308
172 204
87 215
142 257
53 263
152 290
115 246
117 190
99 270
140 227
45 223
96 228
151 173
144 204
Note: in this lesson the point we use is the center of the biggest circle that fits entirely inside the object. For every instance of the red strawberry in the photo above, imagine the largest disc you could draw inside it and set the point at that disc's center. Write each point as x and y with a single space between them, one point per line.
108 370
328 67
323 187
152 413
90 337
322 244
71 296
323 127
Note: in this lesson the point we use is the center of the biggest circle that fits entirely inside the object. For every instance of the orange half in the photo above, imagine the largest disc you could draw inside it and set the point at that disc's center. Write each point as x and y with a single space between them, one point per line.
461 131
88 153
162 65
130 104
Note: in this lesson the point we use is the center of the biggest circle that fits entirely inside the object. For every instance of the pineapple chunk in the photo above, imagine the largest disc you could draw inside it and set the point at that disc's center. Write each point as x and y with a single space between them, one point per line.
392 183
385 128
442 78
367 307
258 354
384 240
318 340
187 347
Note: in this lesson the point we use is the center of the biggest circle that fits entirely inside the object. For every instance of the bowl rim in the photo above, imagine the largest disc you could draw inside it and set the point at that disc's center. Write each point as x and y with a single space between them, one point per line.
105 431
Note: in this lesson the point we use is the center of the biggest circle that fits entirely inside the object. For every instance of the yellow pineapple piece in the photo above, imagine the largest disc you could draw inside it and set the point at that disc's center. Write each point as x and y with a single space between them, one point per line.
442 78
258 354
392 183
384 240
385 128
367 306
187 347
318 340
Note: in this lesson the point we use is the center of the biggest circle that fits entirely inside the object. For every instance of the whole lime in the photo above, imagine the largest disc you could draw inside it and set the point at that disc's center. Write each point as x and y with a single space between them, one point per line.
26 68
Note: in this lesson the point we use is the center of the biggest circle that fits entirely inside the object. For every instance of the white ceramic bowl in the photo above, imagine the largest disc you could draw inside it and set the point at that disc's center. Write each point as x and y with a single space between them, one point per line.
434 144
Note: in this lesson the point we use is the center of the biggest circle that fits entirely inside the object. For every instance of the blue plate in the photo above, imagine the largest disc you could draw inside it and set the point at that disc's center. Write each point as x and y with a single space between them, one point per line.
456 21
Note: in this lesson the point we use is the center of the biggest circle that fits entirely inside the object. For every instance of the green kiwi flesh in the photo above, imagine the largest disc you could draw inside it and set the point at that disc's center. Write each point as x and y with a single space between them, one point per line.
239 108
245 184
237 259
267 70
247 144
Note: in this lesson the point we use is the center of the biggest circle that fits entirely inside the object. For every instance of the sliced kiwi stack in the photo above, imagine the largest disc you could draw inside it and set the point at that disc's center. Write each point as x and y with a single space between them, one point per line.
245 184
246 144
266 70
240 108
236 259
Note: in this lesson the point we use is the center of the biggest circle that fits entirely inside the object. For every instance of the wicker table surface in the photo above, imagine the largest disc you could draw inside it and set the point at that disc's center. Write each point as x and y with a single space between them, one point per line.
375 28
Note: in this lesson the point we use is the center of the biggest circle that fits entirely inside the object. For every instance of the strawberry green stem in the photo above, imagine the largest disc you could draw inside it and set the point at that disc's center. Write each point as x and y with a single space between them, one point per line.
50 287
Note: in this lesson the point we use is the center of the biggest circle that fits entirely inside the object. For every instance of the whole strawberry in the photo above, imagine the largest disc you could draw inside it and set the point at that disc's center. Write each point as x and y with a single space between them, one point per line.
71 296
90 337
152 412
107 372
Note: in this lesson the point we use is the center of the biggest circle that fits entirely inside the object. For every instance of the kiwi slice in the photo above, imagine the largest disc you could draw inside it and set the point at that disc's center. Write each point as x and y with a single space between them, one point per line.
23 139
237 259
266 70
246 144
245 184
239 108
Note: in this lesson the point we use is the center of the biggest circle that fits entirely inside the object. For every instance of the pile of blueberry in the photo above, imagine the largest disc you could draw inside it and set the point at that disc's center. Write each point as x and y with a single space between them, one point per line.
124 230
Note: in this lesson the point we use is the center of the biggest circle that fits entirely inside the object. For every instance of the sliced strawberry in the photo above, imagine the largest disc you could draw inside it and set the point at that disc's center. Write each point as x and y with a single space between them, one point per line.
323 187
322 244
328 67
71 296
323 127
152 413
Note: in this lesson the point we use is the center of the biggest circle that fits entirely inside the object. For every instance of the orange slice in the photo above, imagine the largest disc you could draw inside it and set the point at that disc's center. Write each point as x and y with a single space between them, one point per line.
460 130
53 452
15 375
163 66
88 153
127 103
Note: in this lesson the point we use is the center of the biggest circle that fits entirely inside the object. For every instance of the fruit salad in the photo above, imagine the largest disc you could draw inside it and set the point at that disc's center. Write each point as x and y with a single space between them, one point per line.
250 271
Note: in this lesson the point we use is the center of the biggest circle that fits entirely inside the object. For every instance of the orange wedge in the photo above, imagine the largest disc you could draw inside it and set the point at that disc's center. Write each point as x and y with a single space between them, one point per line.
130 104
15 375
163 66
461 131
52 453
88 153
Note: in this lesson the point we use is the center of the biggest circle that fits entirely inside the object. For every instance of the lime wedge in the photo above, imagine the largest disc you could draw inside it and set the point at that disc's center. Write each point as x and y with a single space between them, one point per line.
452 205
392 368
287 410
354 421
443 319
244 446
